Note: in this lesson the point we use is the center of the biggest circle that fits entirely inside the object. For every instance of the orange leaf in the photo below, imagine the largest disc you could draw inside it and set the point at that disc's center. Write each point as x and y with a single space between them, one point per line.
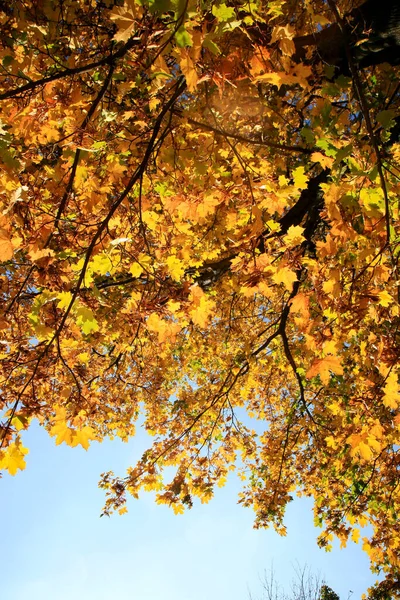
323 367
6 247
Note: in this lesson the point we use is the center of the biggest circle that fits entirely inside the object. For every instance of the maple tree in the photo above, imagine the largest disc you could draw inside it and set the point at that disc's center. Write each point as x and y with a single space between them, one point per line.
199 225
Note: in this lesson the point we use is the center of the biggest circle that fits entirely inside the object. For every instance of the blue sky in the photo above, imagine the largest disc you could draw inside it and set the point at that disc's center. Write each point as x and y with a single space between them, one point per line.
55 546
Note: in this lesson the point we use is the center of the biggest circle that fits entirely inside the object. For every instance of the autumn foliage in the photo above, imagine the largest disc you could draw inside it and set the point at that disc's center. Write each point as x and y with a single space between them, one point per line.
199 227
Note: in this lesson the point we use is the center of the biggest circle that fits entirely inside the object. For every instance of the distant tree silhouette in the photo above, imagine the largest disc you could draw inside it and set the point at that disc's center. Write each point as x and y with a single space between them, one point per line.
305 585
327 593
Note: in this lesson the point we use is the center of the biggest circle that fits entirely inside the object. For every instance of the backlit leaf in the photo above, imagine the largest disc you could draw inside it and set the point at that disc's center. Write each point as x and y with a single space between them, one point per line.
324 366
12 458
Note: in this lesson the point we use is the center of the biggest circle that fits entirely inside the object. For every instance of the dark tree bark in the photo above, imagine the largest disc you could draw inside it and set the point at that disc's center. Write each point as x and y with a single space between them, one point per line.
374 33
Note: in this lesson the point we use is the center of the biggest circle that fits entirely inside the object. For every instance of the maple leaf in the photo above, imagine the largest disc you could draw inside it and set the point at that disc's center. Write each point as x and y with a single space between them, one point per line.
64 299
178 509
285 276
355 535
6 247
188 69
385 299
83 437
125 18
323 367
391 391
322 159
299 304
331 442
86 320
155 323
12 458
294 236
62 433
360 447
175 267
273 78
285 36
300 178
223 12
136 269
202 313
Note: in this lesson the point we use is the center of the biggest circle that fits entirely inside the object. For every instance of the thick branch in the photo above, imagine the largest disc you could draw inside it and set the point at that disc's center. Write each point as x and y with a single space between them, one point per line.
246 140
110 59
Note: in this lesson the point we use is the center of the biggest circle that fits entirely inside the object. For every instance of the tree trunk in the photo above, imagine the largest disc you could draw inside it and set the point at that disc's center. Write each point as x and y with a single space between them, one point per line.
373 31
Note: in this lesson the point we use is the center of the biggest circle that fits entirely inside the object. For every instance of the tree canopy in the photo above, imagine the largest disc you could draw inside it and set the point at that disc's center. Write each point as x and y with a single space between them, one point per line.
199 228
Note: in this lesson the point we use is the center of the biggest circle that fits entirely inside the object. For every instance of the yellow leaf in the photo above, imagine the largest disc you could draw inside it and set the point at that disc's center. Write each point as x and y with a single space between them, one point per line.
294 236
323 368
331 442
273 78
62 433
36 254
208 204
85 319
155 323
101 264
12 458
354 440
384 298
176 268
64 299
391 396
153 103
19 422
178 509
287 46
374 444
365 451
173 306
84 357
324 161
82 437
125 18
285 276
203 309
273 226
150 218
329 286
166 330
136 270
300 178
335 408
355 535
284 35
188 69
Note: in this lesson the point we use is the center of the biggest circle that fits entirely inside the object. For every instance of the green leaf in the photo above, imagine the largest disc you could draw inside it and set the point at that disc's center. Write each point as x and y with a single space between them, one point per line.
223 12
159 6
86 320
7 60
183 38
328 148
8 159
344 152
308 135
385 118
211 46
